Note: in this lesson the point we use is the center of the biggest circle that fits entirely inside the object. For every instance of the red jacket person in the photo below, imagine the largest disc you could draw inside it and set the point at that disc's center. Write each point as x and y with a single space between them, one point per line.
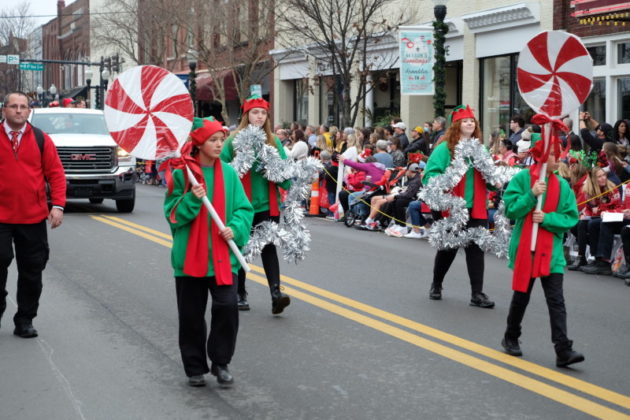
27 161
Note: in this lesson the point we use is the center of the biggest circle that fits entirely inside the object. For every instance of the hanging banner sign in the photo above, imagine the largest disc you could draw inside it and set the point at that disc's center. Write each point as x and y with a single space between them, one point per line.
416 61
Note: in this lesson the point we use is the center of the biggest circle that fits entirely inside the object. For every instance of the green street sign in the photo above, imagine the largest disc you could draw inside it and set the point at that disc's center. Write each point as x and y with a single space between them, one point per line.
32 66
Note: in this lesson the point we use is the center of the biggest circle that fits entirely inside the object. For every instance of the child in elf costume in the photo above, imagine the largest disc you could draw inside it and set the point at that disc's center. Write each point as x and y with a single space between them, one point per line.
201 258
473 189
559 214
265 199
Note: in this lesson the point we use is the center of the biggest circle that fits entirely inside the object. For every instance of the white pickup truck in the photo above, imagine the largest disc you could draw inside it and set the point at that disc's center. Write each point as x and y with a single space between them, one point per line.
95 167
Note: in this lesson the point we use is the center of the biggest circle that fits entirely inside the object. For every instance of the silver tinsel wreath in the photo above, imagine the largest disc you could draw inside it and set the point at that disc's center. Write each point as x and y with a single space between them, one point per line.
451 231
291 234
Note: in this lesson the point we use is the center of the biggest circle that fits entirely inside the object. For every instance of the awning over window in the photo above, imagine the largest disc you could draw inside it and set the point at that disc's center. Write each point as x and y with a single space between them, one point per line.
205 86
74 92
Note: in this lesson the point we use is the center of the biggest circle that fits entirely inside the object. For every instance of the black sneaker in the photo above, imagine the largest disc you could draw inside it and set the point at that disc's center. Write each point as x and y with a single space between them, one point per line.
436 292
599 267
568 357
579 262
243 305
481 300
511 346
196 381
224 377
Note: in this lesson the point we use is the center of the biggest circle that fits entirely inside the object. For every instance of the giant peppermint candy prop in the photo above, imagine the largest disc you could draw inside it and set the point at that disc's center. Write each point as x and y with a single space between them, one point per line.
148 112
555 73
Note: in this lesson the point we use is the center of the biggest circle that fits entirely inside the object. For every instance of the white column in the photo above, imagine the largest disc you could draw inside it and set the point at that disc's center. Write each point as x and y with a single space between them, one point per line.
369 102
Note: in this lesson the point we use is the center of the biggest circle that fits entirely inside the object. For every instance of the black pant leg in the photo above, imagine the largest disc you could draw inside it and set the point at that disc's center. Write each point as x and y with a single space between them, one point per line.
519 303
475 262
625 240
607 232
31 255
593 234
6 256
343 200
443 260
224 323
552 286
269 255
582 237
192 299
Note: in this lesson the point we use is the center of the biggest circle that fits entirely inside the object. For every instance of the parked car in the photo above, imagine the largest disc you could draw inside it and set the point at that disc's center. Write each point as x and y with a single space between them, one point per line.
96 167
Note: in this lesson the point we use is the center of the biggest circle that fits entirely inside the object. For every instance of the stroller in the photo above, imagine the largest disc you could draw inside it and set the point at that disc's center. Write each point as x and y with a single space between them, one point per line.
360 208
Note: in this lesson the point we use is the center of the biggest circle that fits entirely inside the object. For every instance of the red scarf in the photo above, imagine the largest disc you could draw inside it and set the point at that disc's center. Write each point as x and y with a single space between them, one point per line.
274 209
196 263
479 209
526 266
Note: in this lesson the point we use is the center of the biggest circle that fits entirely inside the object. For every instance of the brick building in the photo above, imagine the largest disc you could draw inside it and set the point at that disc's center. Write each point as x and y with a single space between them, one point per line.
67 37
604 26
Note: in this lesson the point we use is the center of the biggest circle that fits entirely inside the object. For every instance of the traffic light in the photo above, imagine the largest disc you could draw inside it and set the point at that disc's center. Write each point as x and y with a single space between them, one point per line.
115 63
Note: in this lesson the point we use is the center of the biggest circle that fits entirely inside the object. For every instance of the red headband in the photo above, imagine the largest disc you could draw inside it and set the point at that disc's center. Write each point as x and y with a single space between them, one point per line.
255 103
461 113
203 133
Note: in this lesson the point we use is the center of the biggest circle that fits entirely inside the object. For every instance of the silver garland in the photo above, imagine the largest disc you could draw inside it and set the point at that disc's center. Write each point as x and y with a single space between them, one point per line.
290 234
451 232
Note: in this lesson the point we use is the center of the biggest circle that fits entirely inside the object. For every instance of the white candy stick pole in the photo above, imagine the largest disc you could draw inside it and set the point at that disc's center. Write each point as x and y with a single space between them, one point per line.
340 175
543 173
219 222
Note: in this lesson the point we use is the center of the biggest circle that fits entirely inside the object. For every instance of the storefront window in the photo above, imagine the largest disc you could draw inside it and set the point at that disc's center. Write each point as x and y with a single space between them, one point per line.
300 101
623 53
623 98
496 93
598 53
500 96
596 102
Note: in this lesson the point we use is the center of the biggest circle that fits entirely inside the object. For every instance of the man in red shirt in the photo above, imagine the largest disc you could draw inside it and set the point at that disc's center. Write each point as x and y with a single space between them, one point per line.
27 161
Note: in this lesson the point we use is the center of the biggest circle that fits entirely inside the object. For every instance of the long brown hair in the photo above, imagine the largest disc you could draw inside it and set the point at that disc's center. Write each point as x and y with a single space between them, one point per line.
271 138
591 188
453 135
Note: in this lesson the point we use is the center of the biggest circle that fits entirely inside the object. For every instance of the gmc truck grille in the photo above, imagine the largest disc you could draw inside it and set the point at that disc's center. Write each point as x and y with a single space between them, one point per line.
87 159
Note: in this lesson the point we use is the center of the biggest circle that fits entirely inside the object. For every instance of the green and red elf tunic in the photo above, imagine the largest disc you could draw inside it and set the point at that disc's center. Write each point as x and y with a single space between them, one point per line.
197 248
561 214
263 194
472 186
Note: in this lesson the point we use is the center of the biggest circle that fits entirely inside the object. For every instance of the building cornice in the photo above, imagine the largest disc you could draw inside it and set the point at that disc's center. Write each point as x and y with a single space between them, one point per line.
515 15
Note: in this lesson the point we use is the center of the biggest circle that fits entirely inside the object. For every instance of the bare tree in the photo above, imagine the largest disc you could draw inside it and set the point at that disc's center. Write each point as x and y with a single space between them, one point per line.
340 33
15 27
233 39
145 31
16 22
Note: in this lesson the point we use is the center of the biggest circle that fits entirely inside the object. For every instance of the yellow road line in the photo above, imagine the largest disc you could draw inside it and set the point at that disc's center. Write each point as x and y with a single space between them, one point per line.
134 231
550 374
533 385
585 387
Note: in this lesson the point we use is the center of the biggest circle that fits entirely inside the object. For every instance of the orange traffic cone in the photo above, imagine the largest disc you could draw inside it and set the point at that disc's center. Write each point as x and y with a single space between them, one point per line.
314 207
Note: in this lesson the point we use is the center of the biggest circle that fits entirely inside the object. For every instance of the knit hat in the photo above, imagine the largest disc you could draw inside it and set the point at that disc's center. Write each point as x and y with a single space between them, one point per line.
419 130
203 128
255 101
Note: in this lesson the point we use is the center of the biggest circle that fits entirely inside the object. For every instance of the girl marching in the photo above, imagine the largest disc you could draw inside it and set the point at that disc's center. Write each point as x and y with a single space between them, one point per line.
265 198
201 258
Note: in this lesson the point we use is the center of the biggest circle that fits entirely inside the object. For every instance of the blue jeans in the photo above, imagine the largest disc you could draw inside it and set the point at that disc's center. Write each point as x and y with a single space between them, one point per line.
415 213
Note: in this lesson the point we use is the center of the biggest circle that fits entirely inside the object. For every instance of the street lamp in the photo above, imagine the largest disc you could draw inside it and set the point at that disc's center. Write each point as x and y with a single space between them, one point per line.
53 91
440 29
40 94
88 81
104 80
191 55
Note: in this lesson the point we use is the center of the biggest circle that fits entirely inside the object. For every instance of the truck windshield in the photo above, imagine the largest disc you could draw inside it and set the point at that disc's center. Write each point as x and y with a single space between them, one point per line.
70 123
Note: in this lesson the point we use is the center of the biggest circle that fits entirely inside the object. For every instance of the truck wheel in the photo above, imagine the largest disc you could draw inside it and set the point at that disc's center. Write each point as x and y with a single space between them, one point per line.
125 206
96 200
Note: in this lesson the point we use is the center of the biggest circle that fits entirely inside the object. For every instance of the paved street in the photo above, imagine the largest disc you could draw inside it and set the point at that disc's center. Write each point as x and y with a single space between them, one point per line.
361 339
